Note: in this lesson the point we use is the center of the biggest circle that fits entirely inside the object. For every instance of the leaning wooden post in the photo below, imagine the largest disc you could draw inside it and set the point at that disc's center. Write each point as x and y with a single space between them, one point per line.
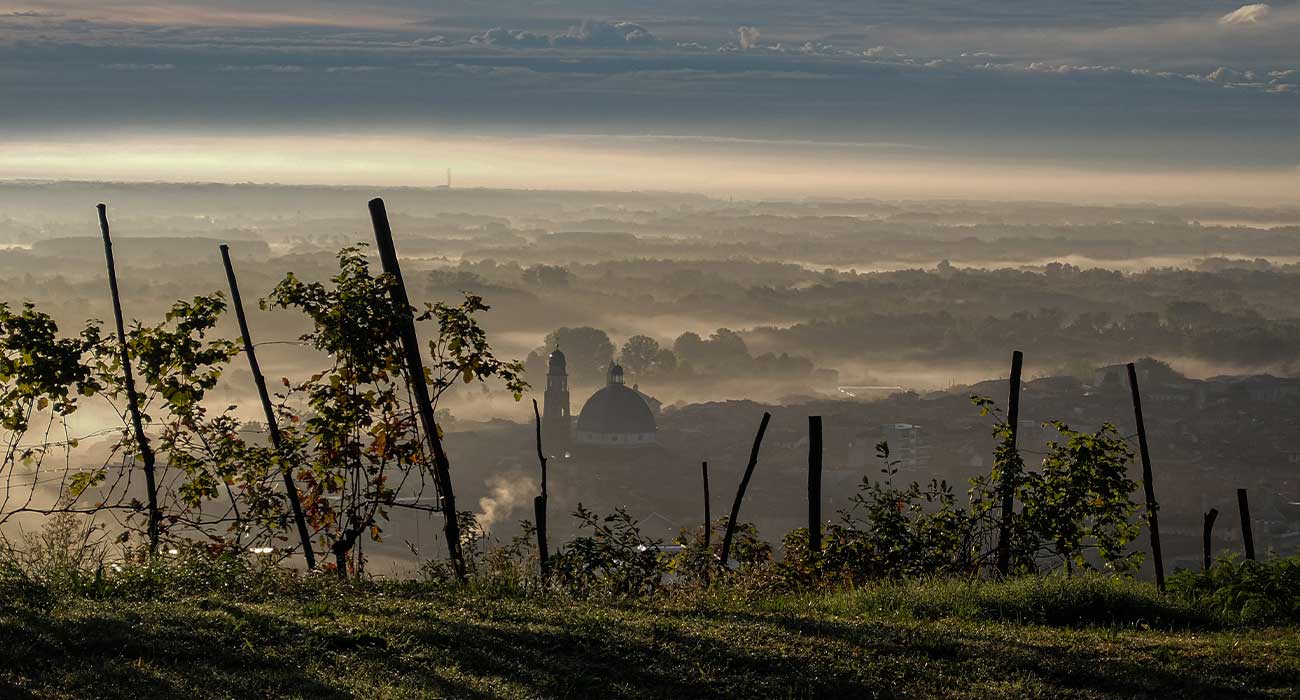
539 503
1210 517
708 517
740 492
543 555
1006 486
814 483
132 398
272 426
420 390
1153 509
1247 535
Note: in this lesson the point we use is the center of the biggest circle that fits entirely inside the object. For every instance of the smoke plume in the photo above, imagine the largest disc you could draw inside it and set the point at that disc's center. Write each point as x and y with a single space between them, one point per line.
507 492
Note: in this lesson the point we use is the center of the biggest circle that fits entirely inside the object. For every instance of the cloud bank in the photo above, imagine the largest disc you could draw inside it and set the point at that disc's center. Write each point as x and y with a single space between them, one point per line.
589 34
1176 82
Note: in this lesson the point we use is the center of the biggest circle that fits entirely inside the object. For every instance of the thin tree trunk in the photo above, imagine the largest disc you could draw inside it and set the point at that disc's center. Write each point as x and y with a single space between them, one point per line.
1247 534
1006 487
740 492
1148 483
340 548
415 368
1207 537
708 517
272 426
132 398
814 483
539 503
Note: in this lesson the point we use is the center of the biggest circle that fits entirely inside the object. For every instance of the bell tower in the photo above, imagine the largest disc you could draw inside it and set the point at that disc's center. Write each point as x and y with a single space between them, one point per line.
557 422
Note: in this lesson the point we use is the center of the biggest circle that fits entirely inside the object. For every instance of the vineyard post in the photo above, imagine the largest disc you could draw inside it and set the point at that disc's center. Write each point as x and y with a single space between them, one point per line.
132 398
1247 535
272 426
420 390
1153 509
814 484
1210 517
740 492
1006 487
708 517
539 503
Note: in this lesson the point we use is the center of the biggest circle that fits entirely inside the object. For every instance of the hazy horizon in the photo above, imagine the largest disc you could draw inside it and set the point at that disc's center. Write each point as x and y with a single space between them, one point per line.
1163 101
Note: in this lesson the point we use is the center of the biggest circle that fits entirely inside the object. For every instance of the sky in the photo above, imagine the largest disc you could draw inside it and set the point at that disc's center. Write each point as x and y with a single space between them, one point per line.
1164 100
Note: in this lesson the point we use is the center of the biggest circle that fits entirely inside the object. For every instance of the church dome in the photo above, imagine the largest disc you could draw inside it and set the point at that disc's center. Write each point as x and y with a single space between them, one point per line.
616 416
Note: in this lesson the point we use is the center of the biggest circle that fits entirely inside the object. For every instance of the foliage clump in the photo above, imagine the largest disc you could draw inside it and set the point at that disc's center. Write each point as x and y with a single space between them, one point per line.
1245 590
359 443
611 556
1075 514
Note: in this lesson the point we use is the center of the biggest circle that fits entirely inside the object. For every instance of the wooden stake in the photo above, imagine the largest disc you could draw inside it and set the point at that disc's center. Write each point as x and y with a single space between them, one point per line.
1247 535
132 398
543 555
1210 517
1153 508
1007 488
420 390
272 426
539 503
708 517
814 483
744 484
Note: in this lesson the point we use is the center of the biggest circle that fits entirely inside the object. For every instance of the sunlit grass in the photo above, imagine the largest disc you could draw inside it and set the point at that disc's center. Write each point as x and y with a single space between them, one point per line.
198 628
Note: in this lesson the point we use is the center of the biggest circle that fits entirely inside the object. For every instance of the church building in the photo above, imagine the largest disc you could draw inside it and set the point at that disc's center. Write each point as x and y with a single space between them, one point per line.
614 417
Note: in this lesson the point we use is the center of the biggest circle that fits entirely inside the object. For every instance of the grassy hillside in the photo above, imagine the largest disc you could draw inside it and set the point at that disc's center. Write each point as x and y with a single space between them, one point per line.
1035 638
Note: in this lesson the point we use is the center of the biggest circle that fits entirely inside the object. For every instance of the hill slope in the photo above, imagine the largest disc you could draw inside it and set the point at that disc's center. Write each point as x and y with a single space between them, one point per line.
404 643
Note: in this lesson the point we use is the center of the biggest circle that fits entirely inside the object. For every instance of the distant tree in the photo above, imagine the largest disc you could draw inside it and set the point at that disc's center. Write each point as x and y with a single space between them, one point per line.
552 276
1089 323
784 364
727 344
1156 371
588 351
665 361
1186 315
639 354
449 279
723 352
688 346
1143 326
535 366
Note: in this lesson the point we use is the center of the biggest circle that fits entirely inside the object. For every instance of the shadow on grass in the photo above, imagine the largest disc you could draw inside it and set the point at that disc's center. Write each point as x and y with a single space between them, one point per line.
196 651
485 649
1054 658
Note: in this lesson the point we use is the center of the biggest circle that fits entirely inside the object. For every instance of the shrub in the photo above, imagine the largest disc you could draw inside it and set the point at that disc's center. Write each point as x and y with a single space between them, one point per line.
615 558
698 564
1077 502
359 440
1242 590
490 566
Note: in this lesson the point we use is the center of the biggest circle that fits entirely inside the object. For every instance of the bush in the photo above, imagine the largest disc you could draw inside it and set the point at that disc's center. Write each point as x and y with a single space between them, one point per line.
1245 591
20 592
696 564
491 567
615 558
189 572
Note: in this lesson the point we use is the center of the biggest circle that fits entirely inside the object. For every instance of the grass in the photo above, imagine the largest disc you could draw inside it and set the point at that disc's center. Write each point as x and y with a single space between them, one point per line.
1028 638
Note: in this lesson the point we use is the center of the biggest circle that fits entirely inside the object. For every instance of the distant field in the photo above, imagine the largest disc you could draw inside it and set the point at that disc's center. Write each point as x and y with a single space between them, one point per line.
945 641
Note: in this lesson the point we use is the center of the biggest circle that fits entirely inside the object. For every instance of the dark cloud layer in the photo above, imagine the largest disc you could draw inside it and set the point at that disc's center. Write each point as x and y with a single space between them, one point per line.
1201 82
